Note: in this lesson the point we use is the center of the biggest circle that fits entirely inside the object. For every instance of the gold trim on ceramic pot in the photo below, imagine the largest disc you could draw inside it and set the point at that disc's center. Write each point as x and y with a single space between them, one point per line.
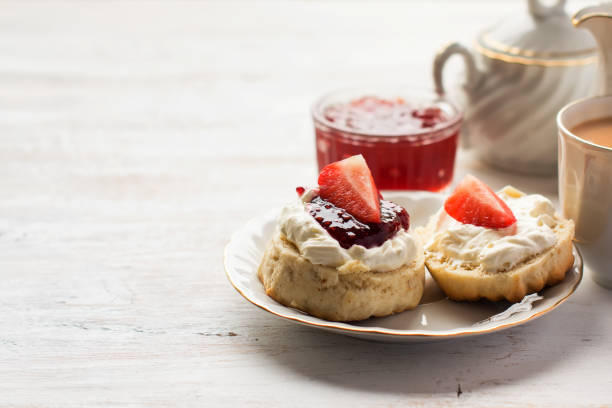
576 21
516 59
495 45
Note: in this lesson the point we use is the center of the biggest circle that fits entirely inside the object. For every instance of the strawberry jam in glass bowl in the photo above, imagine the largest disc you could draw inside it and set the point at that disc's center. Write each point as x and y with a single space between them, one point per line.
408 138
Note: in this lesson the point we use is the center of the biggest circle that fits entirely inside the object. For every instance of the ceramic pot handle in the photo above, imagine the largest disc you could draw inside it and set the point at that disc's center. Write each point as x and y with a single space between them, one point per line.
473 75
598 20
539 10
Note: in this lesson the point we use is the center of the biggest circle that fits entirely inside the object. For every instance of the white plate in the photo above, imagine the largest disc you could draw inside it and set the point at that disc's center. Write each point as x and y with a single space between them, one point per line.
436 317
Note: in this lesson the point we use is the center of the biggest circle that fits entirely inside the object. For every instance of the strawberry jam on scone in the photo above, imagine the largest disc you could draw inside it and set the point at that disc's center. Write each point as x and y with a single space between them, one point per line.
496 246
349 206
341 252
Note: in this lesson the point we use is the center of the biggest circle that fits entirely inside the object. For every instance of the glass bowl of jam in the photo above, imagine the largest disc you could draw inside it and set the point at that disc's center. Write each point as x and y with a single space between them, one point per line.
408 138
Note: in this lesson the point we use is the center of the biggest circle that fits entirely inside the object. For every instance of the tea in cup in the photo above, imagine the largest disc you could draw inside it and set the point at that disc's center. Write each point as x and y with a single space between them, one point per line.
585 179
597 131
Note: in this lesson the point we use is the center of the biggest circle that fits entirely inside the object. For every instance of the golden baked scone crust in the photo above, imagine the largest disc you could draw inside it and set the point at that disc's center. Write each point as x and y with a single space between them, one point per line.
350 292
463 283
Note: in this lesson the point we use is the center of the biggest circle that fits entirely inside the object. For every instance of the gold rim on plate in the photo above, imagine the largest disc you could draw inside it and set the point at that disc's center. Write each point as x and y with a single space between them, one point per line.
578 265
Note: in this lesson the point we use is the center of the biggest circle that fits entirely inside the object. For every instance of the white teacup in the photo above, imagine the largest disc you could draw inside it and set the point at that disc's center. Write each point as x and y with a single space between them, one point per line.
585 185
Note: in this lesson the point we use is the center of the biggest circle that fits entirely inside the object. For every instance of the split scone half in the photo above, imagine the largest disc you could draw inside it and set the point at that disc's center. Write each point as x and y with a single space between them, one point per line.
471 262
350 291
340 252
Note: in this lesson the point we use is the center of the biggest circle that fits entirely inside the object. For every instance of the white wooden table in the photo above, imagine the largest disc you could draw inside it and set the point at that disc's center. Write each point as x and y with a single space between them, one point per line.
135 137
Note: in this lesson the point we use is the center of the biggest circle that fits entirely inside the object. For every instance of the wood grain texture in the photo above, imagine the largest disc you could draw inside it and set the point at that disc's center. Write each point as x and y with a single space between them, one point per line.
135 137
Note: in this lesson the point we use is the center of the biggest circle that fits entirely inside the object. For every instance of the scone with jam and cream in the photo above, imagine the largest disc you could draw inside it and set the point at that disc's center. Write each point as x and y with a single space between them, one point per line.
340 252
497 246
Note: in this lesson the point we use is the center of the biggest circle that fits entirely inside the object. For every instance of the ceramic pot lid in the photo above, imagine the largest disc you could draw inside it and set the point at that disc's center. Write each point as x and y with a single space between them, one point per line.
544 36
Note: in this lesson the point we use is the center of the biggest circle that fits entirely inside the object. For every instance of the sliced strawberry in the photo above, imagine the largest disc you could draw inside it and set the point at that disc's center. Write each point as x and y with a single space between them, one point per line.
473 202
349 184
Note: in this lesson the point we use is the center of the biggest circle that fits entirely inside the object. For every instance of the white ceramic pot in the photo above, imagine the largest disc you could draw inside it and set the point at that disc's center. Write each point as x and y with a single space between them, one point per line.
520 73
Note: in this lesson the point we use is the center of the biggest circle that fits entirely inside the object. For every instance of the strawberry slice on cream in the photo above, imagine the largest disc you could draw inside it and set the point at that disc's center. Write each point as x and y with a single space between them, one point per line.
473 202
349 184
